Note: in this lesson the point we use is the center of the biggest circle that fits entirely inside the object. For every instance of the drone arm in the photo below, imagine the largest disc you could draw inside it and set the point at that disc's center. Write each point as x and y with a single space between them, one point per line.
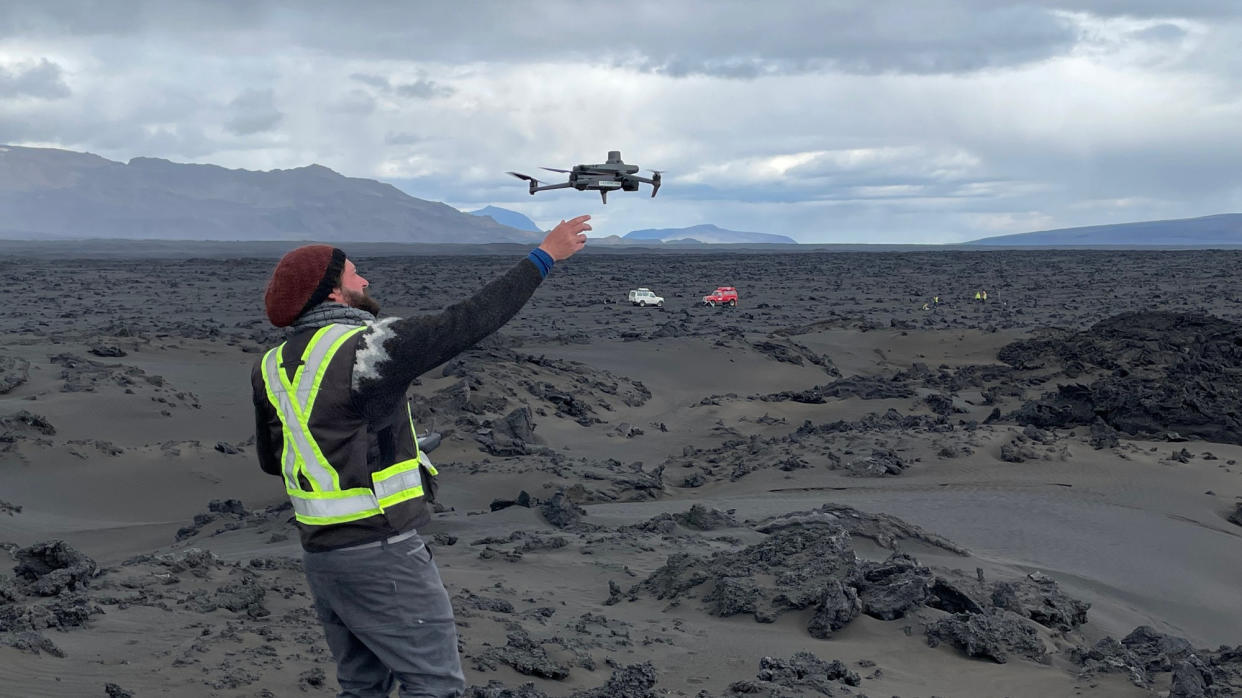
562 185
654 182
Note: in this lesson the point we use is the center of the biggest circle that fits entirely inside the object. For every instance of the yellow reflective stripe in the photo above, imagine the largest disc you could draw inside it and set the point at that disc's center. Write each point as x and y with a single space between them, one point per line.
397 483
294 401
304 415
394 470
292 439
409 412
306 352
315 358
303 435
318 471
402 496
422 457
323 365
334 507
290 456
280 360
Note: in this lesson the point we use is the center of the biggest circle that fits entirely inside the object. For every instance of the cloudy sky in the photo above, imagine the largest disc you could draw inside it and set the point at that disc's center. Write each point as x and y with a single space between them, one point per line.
828 121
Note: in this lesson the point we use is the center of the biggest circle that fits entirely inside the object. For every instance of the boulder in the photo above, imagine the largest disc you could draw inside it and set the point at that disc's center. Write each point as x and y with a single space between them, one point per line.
51 567
560 511
1156 651
837 607
991 635
891 589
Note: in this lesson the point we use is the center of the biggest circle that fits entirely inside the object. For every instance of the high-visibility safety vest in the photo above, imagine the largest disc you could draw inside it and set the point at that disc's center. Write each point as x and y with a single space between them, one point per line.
311 481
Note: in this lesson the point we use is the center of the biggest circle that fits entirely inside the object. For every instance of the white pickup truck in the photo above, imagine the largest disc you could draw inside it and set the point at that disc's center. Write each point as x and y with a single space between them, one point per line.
643 297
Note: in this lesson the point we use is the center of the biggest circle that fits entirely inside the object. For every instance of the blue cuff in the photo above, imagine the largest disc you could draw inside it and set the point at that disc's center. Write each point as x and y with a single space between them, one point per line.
543 261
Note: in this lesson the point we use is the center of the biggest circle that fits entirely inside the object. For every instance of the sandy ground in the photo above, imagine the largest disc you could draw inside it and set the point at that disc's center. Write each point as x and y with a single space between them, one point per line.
132 414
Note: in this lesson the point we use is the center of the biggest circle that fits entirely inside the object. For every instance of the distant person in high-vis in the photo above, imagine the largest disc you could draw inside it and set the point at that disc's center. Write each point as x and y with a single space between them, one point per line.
333 421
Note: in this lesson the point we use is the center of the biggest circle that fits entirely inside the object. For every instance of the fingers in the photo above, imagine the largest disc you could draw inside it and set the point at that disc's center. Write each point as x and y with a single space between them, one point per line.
576 224
574 234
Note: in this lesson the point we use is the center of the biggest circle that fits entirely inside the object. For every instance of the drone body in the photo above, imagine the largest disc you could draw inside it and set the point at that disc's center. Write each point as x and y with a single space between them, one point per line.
605 177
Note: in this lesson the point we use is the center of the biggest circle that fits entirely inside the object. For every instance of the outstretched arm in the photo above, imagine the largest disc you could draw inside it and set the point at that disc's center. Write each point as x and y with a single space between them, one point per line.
395 351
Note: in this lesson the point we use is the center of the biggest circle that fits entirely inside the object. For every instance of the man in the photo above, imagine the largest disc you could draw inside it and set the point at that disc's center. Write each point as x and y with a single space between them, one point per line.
333 420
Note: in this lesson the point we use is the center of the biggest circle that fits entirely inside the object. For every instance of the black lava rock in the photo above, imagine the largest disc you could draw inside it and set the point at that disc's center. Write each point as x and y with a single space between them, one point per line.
561 512
992 635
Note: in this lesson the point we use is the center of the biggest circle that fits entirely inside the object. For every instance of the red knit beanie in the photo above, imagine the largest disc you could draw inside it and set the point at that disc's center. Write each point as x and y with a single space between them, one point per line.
302 279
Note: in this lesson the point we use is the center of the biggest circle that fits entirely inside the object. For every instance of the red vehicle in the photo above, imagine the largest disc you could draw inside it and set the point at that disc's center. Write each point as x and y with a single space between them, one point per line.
723 295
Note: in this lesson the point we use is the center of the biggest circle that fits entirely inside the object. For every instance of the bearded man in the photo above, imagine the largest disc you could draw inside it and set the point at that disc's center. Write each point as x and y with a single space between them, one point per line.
333 421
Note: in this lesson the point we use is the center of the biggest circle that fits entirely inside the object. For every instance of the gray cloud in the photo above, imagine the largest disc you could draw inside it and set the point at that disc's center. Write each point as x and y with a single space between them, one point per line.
253 111
376 81
880 120
424 89
401 138
1160 32
355 102
724 38
419 89
91 18
41 79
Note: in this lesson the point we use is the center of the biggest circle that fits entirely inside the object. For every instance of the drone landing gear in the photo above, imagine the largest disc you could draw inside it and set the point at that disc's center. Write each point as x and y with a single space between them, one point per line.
603 194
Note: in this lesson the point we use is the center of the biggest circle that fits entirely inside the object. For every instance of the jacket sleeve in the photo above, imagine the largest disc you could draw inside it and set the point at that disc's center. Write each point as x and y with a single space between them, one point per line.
268 441
395 351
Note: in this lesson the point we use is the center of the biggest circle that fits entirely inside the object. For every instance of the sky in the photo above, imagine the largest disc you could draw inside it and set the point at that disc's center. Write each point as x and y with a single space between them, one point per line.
874 121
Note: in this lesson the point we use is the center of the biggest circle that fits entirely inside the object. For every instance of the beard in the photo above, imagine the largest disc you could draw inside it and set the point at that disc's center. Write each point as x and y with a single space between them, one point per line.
361 301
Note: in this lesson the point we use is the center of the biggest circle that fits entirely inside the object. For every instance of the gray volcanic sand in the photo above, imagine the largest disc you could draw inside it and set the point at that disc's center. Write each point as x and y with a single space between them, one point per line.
828 385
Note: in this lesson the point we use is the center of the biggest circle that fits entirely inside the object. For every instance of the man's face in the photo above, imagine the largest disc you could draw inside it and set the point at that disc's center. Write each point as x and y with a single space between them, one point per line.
353 291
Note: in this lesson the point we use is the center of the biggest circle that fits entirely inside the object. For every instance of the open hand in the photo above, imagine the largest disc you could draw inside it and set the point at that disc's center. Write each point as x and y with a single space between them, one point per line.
566 238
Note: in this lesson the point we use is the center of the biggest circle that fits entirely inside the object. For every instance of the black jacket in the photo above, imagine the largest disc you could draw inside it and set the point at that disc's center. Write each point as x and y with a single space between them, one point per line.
375 368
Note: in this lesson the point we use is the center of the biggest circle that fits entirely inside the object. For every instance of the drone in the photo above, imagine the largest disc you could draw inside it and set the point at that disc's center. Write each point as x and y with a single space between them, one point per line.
605 177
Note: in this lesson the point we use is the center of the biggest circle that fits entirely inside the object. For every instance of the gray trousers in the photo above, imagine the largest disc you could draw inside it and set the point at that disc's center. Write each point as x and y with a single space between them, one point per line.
387 618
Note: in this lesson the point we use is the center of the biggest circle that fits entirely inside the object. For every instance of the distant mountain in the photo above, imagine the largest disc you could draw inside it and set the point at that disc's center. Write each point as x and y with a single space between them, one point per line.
504 216
707 233
60 194
1208 231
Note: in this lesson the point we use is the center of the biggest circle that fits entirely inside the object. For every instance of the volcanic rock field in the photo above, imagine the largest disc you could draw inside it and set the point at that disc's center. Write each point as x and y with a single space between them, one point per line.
825 491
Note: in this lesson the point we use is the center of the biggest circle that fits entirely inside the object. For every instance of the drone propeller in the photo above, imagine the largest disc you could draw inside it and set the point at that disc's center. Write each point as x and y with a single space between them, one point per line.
534 183
655 181
553 169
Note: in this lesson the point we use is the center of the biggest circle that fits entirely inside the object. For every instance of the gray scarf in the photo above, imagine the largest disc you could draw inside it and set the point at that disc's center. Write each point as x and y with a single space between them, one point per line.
328 313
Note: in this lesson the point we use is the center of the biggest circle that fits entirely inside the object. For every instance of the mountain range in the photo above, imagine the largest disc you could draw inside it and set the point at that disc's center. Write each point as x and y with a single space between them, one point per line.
504 216
705 233
59 194
1207 231
52 194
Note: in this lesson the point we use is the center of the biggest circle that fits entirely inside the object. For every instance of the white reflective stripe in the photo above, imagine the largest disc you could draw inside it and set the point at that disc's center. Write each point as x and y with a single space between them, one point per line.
290 467
402 481
293 404
333 507
298 435
298 432
310 368
271 367
424 459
